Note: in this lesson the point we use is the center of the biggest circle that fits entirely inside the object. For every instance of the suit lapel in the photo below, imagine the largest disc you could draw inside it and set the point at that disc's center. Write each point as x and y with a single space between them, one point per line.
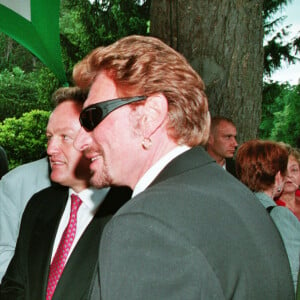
75 280
188 160
52 206
80 270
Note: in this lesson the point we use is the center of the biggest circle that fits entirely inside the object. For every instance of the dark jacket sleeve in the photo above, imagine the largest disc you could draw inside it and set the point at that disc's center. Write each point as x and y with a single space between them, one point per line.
3 162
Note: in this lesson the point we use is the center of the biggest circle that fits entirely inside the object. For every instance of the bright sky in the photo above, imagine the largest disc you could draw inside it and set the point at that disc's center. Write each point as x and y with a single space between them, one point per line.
290 73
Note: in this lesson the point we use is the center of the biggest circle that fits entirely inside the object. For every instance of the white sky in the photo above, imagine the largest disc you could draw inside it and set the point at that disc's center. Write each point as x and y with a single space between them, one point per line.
290 73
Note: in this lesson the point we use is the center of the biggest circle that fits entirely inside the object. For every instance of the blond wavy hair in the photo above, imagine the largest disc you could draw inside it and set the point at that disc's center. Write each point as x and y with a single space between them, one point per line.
141 65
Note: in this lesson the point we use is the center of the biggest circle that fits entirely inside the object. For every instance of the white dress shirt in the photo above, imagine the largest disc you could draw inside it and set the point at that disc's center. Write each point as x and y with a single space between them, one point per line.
91 199
152 173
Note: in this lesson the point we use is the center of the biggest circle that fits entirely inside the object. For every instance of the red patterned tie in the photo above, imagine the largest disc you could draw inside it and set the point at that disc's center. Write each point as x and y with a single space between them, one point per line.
59 260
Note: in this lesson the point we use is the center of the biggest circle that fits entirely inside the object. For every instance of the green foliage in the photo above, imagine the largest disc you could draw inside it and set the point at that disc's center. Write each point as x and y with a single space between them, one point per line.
276 51
85 25
21 92
24 139
271 91
270 7
279 106
46 84
278 48
286 121
13 54
281 111
18 93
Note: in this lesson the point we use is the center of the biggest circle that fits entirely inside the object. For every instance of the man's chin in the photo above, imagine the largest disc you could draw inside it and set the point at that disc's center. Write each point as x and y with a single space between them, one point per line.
99 181
95 182
58 179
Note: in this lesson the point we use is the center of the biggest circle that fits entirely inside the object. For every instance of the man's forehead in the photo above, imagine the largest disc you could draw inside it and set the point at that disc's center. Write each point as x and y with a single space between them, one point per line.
226 128
102 89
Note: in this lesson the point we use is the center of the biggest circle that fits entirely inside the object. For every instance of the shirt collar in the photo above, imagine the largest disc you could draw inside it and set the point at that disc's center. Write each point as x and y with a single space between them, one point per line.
265 199
152 173
91 197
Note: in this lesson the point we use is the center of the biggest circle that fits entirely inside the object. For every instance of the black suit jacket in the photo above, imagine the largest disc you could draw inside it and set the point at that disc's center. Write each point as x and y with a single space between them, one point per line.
230 166
27 274
3 162
195 233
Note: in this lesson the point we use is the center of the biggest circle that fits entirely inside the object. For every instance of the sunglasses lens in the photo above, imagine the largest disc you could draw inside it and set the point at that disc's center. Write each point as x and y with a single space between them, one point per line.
91 117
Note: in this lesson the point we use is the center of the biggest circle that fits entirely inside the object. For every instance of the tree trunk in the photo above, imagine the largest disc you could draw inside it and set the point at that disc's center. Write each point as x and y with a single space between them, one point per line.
223 41
9 48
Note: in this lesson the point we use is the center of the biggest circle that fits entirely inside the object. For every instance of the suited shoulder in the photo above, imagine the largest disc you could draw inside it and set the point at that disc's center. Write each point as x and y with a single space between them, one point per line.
221 218
212 196
47 198
205 184
201 200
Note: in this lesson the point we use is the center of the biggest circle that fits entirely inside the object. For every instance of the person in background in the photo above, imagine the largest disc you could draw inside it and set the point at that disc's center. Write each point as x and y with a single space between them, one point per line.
62 224
3 162
222 144
189 231
288 197
16 188
262 166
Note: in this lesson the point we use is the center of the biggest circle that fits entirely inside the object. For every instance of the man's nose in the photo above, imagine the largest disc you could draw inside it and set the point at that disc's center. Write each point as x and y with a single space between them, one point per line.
52 146
234 142
82 140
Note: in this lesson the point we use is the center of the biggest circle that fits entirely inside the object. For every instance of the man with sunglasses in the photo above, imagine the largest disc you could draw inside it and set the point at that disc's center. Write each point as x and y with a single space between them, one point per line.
189 231
57 248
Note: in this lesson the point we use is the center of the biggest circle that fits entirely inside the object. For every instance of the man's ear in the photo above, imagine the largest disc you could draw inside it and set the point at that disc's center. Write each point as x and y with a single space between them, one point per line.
210 139
155 114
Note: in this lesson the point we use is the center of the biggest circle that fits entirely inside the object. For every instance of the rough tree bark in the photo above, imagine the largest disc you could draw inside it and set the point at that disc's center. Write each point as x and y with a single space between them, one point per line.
223 41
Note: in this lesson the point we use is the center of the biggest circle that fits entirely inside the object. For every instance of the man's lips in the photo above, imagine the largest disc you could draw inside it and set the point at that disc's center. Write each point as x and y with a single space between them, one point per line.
92 157
57 162
231 152
95 158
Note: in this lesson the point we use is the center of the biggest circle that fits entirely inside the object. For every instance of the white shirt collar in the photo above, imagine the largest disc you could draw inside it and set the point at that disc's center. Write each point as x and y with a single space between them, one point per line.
152 173
91 200
91 197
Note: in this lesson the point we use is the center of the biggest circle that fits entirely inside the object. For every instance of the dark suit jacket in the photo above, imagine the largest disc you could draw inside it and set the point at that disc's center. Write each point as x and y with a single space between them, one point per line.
230 166
27 274
195 233
3 162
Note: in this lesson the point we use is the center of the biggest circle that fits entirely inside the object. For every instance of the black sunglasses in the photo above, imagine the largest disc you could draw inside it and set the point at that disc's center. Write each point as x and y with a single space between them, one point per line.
91 116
